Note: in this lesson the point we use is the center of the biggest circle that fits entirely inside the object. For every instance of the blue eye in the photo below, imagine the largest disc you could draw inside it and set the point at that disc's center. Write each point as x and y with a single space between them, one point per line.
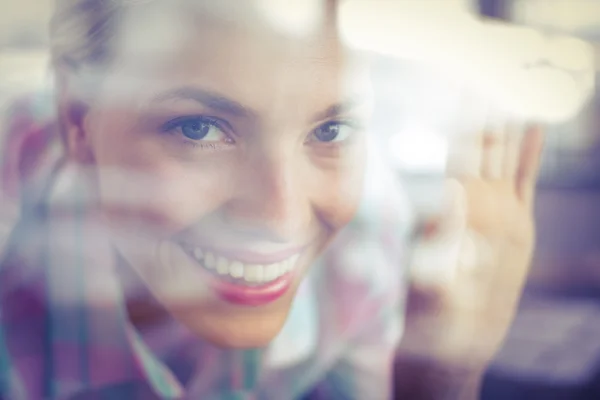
332 132
198 129
195 130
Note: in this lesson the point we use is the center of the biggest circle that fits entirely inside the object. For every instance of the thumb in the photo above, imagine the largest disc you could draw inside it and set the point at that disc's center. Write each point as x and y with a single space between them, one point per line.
529 164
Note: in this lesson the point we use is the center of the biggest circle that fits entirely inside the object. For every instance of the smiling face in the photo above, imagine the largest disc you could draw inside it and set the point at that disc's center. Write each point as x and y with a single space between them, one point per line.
226 159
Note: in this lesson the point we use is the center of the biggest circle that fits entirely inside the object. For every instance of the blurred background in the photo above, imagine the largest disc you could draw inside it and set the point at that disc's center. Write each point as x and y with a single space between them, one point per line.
553 350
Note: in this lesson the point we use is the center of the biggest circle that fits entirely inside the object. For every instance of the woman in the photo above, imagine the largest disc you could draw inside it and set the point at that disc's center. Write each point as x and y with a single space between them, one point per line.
210 159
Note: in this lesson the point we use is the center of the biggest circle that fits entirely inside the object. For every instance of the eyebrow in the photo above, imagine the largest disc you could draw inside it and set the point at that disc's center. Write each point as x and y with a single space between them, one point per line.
222 104
206 98
339 109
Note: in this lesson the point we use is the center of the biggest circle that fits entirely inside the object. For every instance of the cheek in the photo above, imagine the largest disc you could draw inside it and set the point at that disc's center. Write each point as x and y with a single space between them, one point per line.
144 188
339 192
168 198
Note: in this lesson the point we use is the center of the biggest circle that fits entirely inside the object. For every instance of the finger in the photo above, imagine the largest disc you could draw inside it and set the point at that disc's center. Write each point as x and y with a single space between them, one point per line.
464 148
511 155
494 145
464 156
529 163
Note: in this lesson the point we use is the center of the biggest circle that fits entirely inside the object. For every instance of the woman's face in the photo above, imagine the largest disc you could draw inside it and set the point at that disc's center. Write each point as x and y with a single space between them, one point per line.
226 157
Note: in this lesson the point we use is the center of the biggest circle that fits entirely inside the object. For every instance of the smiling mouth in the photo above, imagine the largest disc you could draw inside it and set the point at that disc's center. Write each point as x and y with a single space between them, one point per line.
238 272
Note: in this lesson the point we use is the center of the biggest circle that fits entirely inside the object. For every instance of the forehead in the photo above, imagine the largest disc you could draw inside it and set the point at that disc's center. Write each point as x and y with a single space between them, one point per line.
239 55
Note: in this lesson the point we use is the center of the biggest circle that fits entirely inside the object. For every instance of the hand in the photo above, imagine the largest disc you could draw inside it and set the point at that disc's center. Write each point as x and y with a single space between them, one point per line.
460 311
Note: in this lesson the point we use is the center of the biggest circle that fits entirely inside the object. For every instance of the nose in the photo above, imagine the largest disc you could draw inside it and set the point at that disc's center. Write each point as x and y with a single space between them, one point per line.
271 201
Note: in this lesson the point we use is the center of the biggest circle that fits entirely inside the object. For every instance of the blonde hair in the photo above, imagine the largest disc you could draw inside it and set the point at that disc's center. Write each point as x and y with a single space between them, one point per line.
81 33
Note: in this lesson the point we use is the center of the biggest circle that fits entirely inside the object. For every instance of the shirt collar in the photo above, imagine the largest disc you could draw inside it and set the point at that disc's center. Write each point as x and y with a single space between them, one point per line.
87 316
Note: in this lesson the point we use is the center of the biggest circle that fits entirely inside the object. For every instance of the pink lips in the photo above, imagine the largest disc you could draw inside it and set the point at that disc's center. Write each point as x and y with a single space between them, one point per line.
252 295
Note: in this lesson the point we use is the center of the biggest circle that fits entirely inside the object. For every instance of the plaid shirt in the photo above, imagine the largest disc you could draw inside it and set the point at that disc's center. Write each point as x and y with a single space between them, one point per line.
58 341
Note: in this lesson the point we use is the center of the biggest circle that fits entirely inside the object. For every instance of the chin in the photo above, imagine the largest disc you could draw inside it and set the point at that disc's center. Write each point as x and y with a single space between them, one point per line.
236 329
223 310
235 341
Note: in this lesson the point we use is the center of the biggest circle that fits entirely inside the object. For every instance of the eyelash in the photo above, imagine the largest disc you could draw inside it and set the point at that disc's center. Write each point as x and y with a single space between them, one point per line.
353 125
174 126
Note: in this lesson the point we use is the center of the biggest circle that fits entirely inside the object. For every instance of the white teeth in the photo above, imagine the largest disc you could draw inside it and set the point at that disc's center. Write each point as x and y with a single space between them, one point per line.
282 269
254 273
236 269
210 260
251 273
271 272
260 273
222 264
223 269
